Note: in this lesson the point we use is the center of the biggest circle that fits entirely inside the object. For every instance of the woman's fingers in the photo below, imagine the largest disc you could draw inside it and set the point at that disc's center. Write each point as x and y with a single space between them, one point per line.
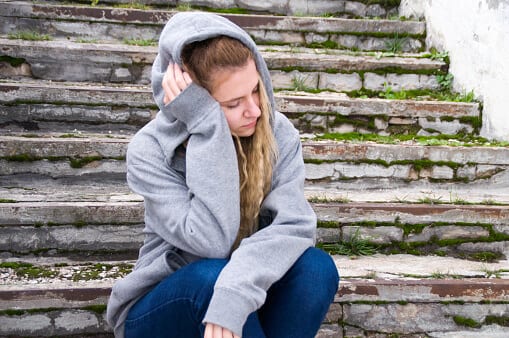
174 82
216 331
187 78
208 331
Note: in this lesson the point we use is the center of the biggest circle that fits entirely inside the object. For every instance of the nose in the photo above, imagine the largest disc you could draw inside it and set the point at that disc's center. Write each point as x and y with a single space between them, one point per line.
253 107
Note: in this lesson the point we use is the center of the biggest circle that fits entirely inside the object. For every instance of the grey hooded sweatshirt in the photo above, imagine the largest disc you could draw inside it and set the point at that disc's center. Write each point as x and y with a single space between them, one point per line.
192 200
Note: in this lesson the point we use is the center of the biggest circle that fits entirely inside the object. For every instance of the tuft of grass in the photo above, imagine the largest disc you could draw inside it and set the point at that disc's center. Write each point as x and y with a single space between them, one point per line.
354 246
134 5
28 35
140 42
430 200
438 275
434 54
445 81
299 83
389 94
396 44
83 40
184 8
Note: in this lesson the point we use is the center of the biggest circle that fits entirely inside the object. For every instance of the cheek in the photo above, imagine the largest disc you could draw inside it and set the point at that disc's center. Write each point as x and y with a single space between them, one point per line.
233 116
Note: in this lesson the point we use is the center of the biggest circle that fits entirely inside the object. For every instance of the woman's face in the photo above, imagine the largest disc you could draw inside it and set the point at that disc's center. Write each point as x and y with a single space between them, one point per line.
236 90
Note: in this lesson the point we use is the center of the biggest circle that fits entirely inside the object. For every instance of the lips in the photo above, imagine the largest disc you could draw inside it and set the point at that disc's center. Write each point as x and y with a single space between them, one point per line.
250 125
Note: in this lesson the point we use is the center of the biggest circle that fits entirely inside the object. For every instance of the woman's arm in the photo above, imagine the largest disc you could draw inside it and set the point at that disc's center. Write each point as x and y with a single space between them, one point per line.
268 254
198 213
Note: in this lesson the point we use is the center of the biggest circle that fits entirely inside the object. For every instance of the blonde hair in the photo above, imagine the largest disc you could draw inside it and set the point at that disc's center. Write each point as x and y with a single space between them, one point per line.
257 153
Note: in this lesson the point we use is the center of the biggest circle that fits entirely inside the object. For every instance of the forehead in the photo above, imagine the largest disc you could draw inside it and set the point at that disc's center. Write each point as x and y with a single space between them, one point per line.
232 83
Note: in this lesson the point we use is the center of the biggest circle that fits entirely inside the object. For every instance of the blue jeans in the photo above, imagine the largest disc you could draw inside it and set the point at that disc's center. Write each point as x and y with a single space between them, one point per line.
295 305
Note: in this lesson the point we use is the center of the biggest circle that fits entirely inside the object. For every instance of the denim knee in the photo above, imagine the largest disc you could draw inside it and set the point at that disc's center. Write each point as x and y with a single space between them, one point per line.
317 268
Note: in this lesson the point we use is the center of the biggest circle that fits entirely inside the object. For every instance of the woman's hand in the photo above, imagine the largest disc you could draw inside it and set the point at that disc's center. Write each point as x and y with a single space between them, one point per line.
174 82
216 331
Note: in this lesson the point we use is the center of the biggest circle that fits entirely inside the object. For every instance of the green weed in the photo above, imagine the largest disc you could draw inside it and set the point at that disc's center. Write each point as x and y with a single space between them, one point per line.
140 42
354 246
299 83
28 35
396 44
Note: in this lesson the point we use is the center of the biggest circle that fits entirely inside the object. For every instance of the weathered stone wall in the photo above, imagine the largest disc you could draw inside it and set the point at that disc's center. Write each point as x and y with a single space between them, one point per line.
474 32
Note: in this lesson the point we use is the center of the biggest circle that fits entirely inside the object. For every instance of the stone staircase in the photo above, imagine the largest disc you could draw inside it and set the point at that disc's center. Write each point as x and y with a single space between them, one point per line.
411 202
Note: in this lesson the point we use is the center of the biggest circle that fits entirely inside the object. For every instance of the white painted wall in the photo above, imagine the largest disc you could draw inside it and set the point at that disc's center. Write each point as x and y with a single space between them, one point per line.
476 35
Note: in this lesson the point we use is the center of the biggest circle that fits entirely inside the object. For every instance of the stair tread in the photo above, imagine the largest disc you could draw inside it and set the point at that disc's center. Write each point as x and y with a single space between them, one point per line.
146 54
462 278
44 91
109 153
46 144
103 211
158 16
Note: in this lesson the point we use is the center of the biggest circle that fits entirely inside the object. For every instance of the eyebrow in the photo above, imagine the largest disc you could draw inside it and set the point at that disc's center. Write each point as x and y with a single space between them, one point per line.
240 97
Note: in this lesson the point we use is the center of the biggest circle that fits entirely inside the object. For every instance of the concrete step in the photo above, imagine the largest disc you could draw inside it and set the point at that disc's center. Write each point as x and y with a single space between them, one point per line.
45 106
357 8
109 23
120 63
79 226
378 295
336 165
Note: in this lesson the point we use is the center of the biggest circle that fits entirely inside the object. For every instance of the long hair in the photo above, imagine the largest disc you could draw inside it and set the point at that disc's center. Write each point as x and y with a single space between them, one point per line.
257 153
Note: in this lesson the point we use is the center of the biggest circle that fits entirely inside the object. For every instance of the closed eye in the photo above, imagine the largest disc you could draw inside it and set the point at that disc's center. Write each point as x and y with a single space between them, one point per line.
231 105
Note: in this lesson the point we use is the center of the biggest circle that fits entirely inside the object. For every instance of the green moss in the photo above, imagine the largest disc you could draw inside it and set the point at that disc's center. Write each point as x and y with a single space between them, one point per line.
474 121
411 228
14 62
140 42
12 312
80 224
7 200
502 321
28 270
329 200
98 308
21 158
464 321
30 36
232 10
486 256
77 163
465 140
326 44
15 265
327 224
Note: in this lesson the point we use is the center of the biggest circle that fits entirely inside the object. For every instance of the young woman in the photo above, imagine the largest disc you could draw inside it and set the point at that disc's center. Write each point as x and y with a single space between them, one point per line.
229 236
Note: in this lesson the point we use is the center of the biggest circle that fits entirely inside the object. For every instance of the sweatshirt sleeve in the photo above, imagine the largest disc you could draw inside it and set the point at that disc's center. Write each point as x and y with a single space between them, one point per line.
198 213
267 255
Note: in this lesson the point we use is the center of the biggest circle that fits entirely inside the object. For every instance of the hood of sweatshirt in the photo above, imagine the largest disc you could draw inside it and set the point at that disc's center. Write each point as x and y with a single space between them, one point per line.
187 27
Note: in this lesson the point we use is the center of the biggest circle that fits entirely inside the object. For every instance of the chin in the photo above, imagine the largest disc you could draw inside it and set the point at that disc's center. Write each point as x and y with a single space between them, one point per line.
246 133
